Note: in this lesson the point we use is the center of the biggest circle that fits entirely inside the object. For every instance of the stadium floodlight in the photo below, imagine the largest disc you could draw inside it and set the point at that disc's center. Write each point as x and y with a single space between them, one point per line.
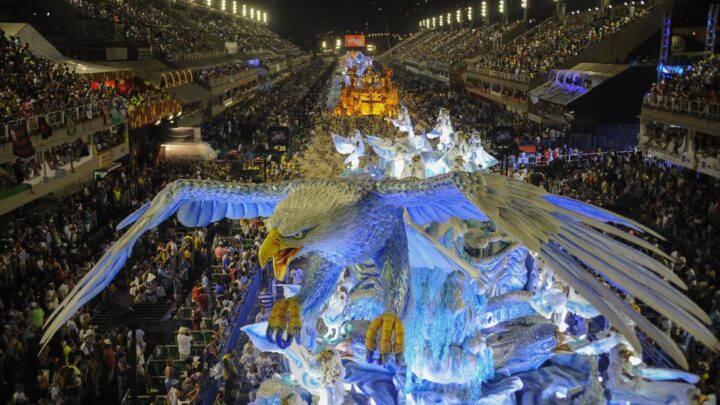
483 9
501 6
265 17
235 7
258 16
252 13
433 22
244 10
222 5
469 13
324 44
449 18
458 16
209 3
337 43
442 17
523 4
427 23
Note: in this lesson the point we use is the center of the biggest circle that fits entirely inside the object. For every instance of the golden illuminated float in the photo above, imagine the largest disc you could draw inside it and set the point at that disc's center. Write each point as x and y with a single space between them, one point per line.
369 94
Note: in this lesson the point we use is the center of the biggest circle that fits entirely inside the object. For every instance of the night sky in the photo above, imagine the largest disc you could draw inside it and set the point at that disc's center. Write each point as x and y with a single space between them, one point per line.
304 20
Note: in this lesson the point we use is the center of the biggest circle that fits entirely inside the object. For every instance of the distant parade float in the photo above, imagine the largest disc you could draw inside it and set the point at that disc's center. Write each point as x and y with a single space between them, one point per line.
364 91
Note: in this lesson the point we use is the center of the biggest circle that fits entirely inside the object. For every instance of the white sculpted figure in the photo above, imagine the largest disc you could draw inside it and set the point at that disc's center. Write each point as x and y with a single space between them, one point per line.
353 147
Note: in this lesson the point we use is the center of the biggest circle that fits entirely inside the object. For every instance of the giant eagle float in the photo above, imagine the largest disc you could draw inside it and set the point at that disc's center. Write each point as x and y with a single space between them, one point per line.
345 222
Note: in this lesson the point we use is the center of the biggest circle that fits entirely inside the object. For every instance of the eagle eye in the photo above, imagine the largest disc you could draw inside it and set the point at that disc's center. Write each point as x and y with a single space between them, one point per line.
298 235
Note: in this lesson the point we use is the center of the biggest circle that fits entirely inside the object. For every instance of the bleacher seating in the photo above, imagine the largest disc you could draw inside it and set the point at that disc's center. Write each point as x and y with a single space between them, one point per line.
249 36
453 45
540 50
143 24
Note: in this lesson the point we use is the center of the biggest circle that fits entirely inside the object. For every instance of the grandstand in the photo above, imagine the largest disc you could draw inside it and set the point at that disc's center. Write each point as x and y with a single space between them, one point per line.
680 119
145 64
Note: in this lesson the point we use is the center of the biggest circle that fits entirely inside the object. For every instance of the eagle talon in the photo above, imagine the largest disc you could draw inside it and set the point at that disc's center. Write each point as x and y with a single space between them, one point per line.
270 334
284 343
386 324
285 315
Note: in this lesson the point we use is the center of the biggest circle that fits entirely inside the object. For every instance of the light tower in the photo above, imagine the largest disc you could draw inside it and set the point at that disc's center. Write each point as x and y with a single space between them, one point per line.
502 10
559 9
524 5
484 11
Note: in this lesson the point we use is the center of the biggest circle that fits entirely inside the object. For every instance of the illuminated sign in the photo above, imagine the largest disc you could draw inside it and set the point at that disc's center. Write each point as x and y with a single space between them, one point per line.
354 41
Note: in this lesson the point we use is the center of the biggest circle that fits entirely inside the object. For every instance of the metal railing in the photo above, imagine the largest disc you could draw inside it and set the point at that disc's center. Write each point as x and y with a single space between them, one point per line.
55 119
196 55
697 108
500 75
217 81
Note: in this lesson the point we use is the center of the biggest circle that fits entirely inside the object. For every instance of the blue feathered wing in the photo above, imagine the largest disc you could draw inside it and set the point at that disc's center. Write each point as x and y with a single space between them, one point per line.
197 203
580 242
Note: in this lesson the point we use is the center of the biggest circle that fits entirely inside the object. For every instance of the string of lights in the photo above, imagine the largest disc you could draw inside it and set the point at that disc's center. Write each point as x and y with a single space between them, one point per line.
233 8
459 17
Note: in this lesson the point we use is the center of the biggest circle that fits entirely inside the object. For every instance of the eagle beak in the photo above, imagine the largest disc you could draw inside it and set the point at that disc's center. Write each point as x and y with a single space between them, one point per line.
274 246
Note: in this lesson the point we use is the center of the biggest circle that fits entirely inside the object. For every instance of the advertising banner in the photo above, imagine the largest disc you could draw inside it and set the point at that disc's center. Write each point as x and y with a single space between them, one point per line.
354 41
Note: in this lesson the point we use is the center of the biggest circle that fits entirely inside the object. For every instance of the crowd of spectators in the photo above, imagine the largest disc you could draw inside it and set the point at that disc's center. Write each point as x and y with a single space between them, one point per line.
144 96
212 73
249 36
64 154
550 44
108 138
143 24
453 45
30 85
54 158
22 170
700 82
677 141
295 102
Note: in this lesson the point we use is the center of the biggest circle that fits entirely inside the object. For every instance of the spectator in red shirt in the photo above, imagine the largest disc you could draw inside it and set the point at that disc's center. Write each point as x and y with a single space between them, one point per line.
196 291
109 360
204 301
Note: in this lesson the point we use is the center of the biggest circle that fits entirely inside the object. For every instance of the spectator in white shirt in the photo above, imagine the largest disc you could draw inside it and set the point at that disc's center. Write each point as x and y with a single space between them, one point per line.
184 341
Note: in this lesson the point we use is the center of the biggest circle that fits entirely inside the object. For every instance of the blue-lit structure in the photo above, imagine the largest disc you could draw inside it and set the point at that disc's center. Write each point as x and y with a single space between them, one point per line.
465 288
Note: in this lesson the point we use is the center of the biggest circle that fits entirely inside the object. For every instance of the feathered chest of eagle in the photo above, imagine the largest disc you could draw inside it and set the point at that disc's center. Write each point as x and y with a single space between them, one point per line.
347 221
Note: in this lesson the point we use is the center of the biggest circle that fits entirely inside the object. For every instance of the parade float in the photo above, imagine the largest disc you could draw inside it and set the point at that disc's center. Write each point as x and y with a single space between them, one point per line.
365 90
429 280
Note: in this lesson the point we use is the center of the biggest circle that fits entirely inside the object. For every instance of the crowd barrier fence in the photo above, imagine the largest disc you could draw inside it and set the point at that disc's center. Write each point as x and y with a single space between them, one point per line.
696 108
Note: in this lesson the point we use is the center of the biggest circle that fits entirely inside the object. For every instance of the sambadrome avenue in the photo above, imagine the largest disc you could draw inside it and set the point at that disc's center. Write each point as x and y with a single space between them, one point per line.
369 202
